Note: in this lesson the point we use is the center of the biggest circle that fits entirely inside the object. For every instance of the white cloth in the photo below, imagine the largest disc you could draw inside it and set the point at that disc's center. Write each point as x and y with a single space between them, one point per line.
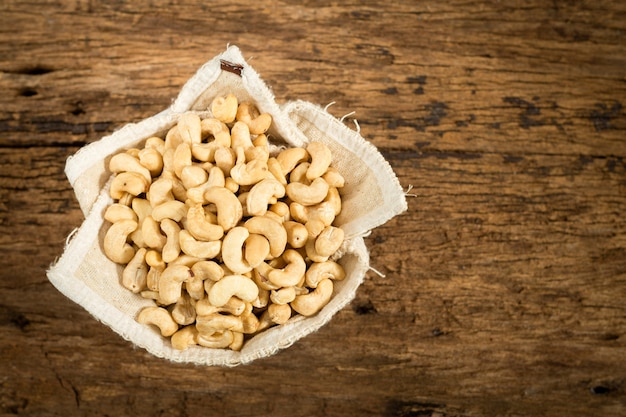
371 197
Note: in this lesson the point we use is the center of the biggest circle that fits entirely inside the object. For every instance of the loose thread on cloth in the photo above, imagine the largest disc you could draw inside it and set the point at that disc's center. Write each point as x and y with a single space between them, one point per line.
408 190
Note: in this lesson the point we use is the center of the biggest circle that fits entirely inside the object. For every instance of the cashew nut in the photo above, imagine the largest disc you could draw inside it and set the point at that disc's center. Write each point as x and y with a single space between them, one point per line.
289 158
257 249
225 108
215 322
189 128
171 249
117 212
319 271
124 162
234 306
116 247
152 159
233 285
136 271
193 176
334 178
261 194
216 340
273 231
329 241
297 234
232 250
198 248
160 191
279 313
171 282
127 182
151 233
311 303
182 158
159 317
229 209
307 195
321 157
184 311
173 209
208 270
249 114
283 295
292 273
240 136
248 173
184 338
200 227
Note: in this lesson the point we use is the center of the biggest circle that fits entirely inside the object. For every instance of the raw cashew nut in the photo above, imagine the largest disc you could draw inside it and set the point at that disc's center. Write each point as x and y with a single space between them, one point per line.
261 194
225 108
136 271
234 306
290 158
193 176
152 159
334 178
273 231
321 157
248 173
159 317
329 241
249 114
173 209
160 191
208 270
216 340
229 209
307 195
184 311
292 273
171 282
200 227
297 234
198 248
189 128
171 249
216 322
182 158
319 271
151 233
115 246
124 162
240 136
232 250
117 212
233 285
184 338
283 295
257 249
279 313
128 182
311 303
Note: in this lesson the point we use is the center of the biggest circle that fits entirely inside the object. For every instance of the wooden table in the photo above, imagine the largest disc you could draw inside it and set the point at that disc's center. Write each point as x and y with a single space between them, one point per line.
505 282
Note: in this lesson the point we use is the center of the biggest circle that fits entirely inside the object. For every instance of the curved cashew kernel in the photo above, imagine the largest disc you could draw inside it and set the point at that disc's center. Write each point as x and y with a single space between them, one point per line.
257 152
248 173
154 259
249 114
321 157
184 338
218 129
142 208
283 295
193 175
256 249
282 209
160 191
173 209
135 273
297 234
273 231
116 212
250 322
124 162
186 260
290 158
229 209
189 128
240 136
262 300
115 246
260 195
315 218
127 182
261 140
198 248
329 241
173 138
292 273
225 159
334 200
200 227
216 340
171 249
171 282
234 306
208 270
151 233
182 158
195 286
231 185
216 322
319 271
259 275
232 250
298 174
279 313
233 285
307 195
237 342
152 160
184 311
312 254
225 108
311 303
159 317
156 143
334 178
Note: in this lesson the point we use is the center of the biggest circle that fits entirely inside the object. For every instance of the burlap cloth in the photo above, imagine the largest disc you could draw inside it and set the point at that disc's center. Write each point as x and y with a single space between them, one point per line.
372 195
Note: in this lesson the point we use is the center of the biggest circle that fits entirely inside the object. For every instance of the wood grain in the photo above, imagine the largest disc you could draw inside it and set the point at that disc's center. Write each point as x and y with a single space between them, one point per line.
505 280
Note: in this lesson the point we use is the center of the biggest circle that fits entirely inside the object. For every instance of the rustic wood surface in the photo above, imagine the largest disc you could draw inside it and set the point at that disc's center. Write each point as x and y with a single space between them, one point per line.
505 282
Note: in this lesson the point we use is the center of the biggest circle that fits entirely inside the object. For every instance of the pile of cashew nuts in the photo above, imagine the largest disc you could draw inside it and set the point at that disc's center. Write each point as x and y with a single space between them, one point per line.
227 234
